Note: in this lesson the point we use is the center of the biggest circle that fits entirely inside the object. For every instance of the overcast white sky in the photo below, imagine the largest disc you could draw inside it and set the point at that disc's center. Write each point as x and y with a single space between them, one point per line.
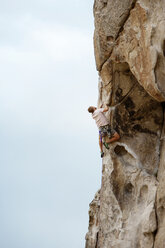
50 162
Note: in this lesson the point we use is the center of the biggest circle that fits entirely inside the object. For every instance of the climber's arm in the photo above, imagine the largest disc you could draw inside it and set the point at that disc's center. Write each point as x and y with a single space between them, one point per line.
105 109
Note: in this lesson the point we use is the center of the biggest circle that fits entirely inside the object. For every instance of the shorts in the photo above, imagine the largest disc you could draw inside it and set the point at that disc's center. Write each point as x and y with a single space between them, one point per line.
106 131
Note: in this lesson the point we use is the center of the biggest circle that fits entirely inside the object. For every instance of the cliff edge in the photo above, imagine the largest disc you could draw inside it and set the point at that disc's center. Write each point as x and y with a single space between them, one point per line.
129 41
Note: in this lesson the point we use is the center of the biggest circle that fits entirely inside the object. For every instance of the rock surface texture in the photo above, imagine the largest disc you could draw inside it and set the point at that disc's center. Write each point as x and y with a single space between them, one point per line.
129 41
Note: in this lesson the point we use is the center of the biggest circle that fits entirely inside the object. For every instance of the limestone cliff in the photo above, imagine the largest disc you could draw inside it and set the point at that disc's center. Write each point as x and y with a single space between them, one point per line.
129 41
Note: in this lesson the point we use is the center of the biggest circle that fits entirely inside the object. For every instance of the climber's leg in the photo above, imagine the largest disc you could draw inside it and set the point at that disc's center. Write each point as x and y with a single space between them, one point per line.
101 145
114 138
100 142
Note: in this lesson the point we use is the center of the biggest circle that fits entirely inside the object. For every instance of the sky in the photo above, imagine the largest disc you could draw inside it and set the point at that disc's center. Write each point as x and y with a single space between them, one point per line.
49 155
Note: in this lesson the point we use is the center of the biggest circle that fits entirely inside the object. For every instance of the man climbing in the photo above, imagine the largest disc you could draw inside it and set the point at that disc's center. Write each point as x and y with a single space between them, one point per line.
104 127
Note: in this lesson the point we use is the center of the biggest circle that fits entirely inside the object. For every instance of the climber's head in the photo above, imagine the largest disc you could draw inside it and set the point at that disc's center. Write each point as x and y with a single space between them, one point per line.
91 109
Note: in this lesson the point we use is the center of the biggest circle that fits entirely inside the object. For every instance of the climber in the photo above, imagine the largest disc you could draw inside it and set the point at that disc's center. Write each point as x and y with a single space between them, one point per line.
104 127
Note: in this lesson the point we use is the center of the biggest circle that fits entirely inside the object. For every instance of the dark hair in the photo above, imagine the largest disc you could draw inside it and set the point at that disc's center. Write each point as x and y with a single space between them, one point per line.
91 109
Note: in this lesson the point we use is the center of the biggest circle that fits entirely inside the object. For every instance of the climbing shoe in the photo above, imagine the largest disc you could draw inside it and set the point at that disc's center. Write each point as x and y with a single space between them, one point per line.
102 154
106 145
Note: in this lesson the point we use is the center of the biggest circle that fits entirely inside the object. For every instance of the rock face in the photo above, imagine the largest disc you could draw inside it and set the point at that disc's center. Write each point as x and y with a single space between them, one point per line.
129 209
